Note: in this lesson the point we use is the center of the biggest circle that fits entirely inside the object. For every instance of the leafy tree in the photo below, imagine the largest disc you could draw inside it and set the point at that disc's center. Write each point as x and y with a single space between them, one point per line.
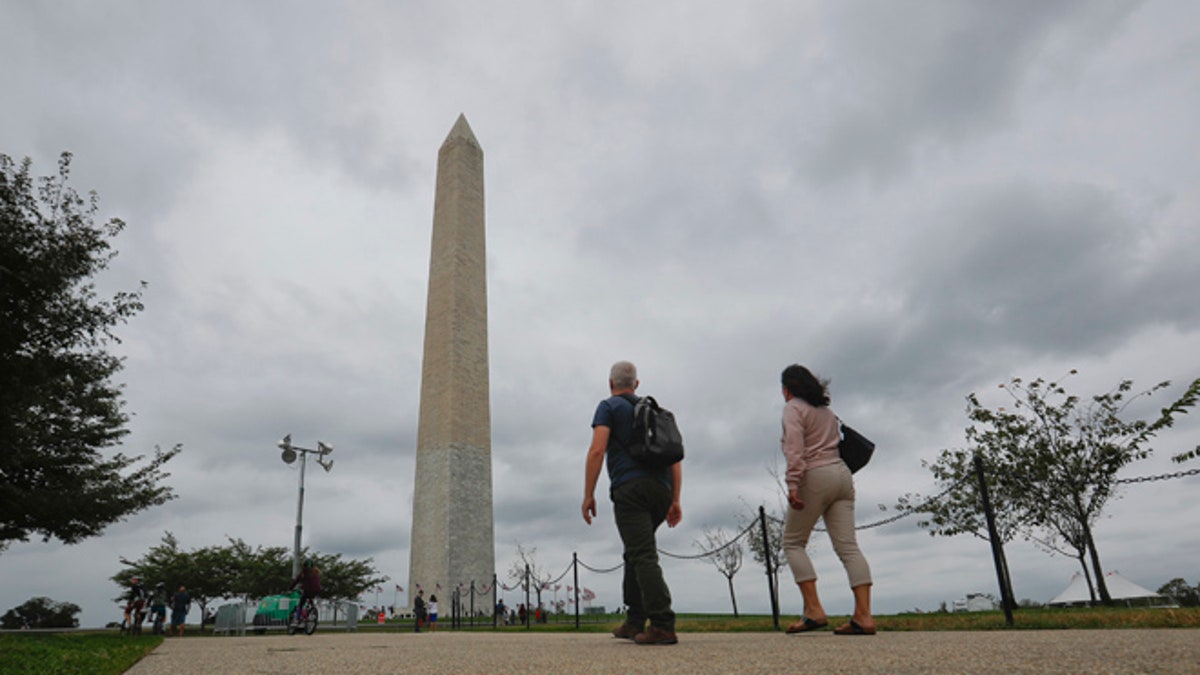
1052 464
41 612
239 570
59 408
1181 592
726 557
256 572
346 579
203 571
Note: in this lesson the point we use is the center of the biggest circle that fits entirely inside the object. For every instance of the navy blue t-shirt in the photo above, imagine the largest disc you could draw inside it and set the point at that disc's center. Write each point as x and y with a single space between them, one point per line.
616 413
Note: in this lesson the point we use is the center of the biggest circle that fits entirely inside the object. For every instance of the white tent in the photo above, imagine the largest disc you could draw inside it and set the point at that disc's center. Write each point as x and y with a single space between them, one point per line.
1120 590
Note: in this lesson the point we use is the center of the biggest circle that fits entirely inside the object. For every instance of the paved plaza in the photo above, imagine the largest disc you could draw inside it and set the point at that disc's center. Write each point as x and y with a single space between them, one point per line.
1062 651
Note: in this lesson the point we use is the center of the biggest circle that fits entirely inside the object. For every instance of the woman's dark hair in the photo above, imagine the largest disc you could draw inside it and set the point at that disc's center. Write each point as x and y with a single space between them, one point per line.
804 385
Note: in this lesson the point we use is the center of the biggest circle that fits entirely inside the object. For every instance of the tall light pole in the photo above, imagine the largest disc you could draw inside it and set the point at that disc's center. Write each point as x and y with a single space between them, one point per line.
289 455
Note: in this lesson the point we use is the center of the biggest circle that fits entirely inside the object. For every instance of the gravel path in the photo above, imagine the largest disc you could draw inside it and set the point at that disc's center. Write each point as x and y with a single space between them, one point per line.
1064 651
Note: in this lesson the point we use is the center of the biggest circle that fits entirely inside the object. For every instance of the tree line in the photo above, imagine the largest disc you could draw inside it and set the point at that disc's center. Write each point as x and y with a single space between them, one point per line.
240 570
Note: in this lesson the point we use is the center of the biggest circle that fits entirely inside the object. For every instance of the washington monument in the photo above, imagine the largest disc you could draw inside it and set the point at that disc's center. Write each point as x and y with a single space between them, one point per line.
452 500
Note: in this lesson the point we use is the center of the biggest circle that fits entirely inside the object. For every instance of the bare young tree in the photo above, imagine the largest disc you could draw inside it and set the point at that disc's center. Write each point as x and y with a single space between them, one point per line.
537 577
726 556
772 551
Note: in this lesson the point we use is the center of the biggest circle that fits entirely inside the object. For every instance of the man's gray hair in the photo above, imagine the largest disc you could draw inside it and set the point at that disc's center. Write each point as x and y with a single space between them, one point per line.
623 375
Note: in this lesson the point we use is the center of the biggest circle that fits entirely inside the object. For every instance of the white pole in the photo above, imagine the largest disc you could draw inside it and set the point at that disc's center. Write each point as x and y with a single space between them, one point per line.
299 519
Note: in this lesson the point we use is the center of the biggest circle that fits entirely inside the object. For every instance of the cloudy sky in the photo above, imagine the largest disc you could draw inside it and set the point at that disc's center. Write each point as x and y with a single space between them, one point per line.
919 200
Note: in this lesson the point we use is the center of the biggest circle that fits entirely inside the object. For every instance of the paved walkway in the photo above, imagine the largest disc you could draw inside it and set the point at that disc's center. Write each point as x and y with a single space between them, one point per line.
1063 651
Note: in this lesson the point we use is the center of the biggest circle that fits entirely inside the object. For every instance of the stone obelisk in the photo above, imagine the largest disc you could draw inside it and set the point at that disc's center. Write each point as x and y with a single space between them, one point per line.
452 501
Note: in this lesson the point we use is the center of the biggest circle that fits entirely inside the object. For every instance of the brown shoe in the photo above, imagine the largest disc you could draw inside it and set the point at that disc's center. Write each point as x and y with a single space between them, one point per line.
626 631
656 636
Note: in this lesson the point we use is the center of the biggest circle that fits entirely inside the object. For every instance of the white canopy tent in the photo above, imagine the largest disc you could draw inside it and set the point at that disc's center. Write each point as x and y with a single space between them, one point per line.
1120 589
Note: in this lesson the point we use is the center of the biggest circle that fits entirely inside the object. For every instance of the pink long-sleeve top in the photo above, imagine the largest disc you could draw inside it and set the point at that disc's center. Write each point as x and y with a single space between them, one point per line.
810 438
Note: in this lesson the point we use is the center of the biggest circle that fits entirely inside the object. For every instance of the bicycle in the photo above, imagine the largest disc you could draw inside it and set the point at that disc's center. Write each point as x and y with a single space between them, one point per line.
304 618
135 614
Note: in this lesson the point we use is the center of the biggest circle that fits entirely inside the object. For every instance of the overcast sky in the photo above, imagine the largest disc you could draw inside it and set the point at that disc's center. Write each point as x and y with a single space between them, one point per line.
918 200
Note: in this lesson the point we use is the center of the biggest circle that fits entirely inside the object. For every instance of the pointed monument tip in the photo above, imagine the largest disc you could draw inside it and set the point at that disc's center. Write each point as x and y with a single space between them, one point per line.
462 130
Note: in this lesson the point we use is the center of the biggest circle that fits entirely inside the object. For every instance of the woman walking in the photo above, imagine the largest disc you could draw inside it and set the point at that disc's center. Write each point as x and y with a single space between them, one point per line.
819 487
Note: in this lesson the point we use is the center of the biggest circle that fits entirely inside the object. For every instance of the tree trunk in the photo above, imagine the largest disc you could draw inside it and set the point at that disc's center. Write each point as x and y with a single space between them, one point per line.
1012 598
732 597
1087 576
1103 587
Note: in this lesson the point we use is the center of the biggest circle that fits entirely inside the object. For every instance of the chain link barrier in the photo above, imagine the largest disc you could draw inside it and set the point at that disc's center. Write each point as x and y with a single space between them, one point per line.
1165 476
886 521
746 531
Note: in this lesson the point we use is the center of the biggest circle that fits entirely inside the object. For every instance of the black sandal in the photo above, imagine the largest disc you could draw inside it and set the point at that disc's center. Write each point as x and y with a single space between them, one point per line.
805 625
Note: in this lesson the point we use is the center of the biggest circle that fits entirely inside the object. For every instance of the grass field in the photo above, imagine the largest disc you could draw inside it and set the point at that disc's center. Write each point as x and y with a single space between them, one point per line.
105 653
73 653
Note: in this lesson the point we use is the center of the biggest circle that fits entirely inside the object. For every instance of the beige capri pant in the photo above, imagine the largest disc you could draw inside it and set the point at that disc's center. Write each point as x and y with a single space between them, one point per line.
827 492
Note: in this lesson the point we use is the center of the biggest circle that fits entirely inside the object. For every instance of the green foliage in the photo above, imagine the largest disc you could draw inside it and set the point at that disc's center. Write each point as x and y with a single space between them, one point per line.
73 653
239 570
41 612
1181 592
1052 463
59 408
347 579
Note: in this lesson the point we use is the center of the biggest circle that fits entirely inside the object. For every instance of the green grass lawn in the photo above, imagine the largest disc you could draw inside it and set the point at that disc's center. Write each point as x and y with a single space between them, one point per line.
105 653
82 653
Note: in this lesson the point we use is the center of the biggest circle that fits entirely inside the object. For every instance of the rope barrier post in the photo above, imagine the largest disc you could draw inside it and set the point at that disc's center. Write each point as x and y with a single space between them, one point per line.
527 612
762 521
472 603
495 600
997 545
575 566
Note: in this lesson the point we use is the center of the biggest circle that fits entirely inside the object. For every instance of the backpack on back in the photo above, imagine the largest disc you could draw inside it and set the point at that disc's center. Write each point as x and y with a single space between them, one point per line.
656 442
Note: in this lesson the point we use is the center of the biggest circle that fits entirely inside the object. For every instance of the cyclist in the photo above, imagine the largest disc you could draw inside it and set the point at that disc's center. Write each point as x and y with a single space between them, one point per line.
158 607
135 600
309 581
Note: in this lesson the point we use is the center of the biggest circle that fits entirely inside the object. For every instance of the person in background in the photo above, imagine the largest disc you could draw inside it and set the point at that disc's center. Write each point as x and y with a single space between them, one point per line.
135 601
179 609
309 581
419 610
158 607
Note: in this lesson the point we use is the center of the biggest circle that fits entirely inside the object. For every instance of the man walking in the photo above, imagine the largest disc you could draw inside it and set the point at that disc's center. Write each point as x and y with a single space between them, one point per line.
642 499
179 609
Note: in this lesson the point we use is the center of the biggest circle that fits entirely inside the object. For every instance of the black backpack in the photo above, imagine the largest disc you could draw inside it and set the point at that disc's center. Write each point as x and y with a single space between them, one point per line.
656 442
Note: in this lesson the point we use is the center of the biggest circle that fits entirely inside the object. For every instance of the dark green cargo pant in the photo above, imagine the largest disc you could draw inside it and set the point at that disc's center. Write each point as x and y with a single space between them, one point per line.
639 507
